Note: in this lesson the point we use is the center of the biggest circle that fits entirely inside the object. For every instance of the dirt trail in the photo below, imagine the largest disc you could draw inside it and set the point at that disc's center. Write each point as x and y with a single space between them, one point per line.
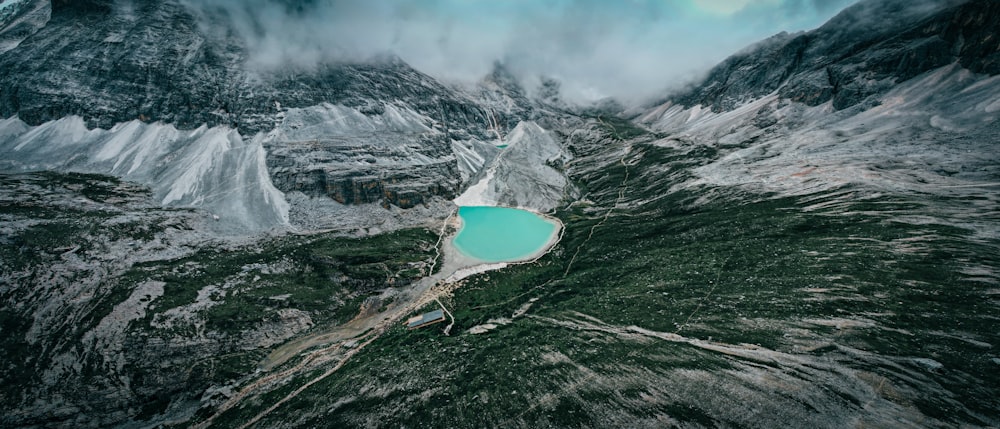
363 322
355 335
312 358
621 195
622 189
447 329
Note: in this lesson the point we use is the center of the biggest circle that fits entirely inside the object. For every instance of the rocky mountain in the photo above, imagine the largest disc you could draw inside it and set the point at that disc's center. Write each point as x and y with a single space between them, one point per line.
109 63
916 108
19 20
807 238
171 214
515 178
863 52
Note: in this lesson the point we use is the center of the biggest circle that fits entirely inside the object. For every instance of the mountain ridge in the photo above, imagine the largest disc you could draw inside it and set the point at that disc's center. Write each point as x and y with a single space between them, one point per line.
748 260
845 64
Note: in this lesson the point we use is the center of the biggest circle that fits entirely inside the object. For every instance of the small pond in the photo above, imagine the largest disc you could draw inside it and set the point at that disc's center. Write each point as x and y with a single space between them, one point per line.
500 234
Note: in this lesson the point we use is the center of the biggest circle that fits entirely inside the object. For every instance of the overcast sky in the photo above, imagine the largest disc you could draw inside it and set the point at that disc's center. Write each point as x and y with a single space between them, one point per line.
629 49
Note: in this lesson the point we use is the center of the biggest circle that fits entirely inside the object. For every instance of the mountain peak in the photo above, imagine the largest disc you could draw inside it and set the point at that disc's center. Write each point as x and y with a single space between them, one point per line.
502 77
863 51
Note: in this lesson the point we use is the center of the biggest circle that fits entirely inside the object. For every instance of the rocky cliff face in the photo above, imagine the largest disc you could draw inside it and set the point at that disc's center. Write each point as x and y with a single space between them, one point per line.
526 174
20 19
393 158
862 52
377 132
110 62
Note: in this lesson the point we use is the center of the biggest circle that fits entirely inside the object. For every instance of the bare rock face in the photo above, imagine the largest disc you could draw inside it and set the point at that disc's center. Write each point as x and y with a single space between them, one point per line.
392 158
375 133
863 52
20 19
527 174
112 62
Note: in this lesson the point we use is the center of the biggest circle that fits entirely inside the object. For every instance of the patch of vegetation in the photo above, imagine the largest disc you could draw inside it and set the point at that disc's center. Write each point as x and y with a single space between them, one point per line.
620 129
712 265
326 276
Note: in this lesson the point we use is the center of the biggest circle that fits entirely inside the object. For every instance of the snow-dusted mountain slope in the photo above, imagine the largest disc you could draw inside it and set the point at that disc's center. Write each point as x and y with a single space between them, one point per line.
909 102
214 169
523 174
864 51
935 133
110 62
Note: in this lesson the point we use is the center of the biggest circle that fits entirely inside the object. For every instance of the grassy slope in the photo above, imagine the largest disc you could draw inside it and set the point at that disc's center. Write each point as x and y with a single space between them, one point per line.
326 277
847 299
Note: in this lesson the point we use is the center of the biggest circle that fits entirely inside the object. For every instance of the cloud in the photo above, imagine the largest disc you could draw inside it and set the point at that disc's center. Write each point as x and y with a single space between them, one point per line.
629 49
728 7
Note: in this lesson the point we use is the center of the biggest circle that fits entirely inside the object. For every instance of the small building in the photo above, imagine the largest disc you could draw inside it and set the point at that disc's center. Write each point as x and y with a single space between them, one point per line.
426 319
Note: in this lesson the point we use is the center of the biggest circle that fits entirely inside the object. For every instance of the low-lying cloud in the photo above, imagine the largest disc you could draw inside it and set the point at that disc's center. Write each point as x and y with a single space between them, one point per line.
630 49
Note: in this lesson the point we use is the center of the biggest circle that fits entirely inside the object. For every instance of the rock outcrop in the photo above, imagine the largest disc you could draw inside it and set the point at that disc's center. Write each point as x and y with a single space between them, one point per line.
20 19
110 62
862 52
373 133
526 174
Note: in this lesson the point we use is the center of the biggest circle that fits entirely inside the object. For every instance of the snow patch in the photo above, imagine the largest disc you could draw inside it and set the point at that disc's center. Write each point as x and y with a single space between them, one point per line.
479 193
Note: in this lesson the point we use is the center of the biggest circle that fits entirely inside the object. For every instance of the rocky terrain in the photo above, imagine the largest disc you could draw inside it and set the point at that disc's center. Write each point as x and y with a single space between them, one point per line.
864 51
21 19
117 310
158 62
515 178
809 237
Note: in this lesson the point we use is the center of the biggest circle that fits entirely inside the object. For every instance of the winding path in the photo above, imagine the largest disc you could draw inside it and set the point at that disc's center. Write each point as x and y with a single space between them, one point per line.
363 330
429 289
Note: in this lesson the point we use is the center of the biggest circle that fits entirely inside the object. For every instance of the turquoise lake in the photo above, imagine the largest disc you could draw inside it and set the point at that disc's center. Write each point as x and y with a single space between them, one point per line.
500 234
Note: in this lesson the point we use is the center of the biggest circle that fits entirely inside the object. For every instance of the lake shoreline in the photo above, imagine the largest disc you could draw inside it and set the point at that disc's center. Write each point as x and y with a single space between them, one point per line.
471 265
503 234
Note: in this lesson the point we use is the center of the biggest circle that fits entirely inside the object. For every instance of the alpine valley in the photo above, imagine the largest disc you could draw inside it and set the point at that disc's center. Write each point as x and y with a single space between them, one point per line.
807 237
